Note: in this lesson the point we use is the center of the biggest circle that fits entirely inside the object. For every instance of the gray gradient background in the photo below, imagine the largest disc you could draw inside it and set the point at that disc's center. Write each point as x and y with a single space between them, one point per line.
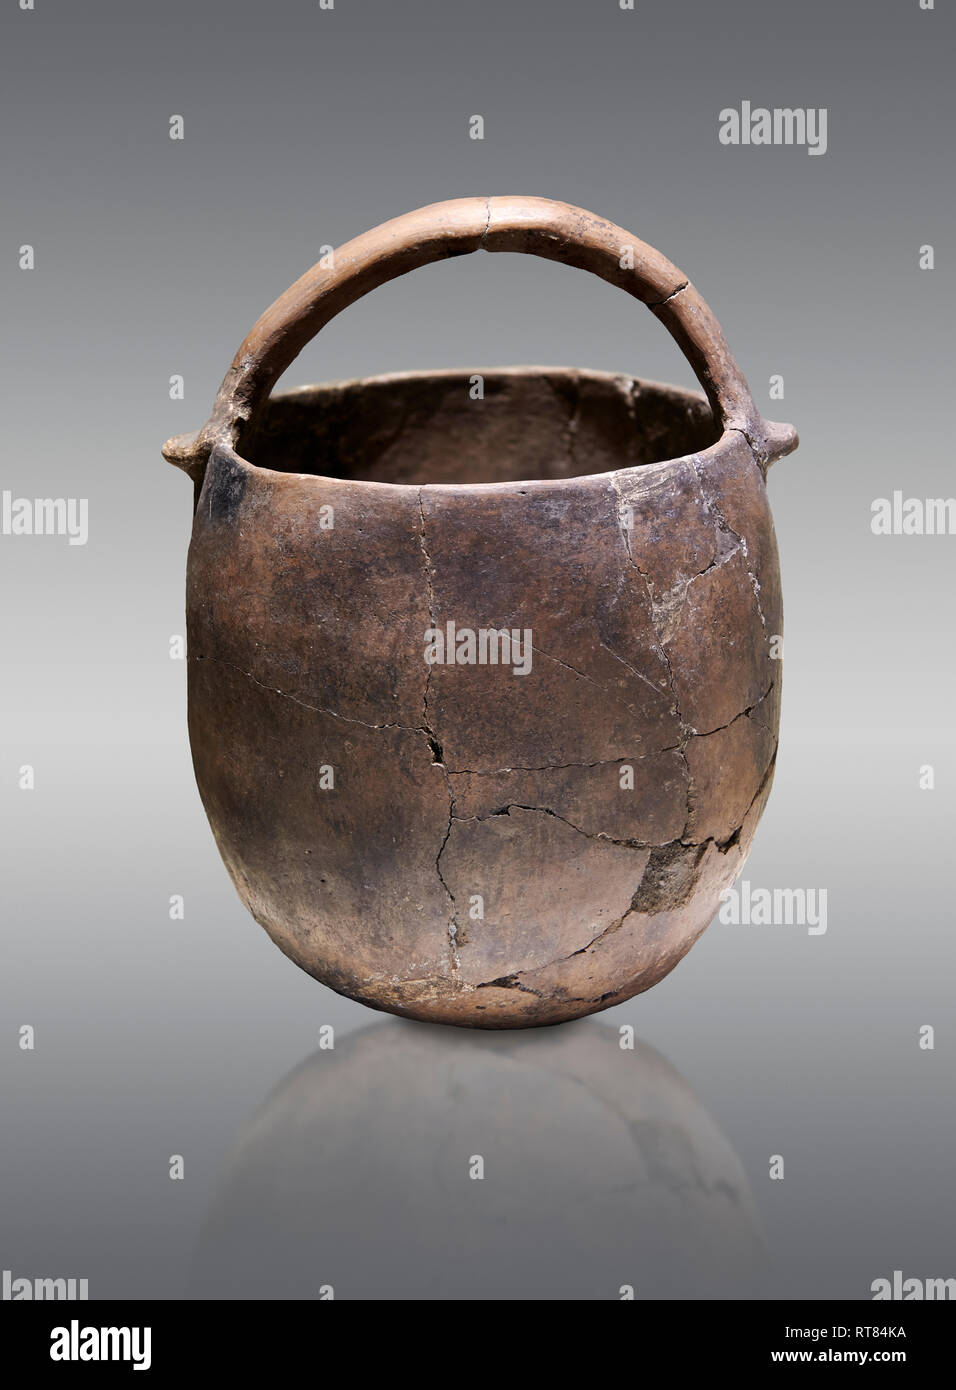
155 1037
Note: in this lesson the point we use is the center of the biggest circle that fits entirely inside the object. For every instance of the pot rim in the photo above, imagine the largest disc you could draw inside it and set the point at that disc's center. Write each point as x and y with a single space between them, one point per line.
728 439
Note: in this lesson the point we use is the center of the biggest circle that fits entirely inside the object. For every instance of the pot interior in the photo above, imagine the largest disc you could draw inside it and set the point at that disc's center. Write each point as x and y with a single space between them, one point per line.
529 423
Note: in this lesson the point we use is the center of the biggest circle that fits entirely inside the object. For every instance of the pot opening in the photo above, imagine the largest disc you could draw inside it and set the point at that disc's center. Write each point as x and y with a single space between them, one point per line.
503 425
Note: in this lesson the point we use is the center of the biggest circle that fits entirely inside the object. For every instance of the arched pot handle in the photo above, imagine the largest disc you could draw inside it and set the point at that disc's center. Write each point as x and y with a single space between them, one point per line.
538 226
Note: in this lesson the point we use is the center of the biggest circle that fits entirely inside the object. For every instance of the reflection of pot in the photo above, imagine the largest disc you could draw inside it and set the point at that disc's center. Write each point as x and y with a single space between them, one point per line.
601 1169
422 817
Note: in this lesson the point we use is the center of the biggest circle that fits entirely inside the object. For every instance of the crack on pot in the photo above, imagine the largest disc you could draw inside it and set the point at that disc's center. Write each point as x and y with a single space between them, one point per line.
673 885
484 234
453 920
675 848
723 525
733 840
667 607
760 457
744 714
514 982
430 587
436 748
590 679
632 669
303 704
433 740
611 695
668 881
510 982
645 579
547 811
656 303
559 767
666 612
658 646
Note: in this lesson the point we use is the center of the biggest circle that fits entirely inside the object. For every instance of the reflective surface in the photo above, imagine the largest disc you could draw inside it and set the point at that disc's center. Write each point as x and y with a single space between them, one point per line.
597 1166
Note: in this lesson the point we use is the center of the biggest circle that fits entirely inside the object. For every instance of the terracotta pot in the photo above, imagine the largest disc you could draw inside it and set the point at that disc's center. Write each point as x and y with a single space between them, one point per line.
425 816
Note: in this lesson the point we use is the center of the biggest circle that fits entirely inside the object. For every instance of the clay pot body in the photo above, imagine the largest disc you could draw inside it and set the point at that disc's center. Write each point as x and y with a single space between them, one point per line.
542 833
